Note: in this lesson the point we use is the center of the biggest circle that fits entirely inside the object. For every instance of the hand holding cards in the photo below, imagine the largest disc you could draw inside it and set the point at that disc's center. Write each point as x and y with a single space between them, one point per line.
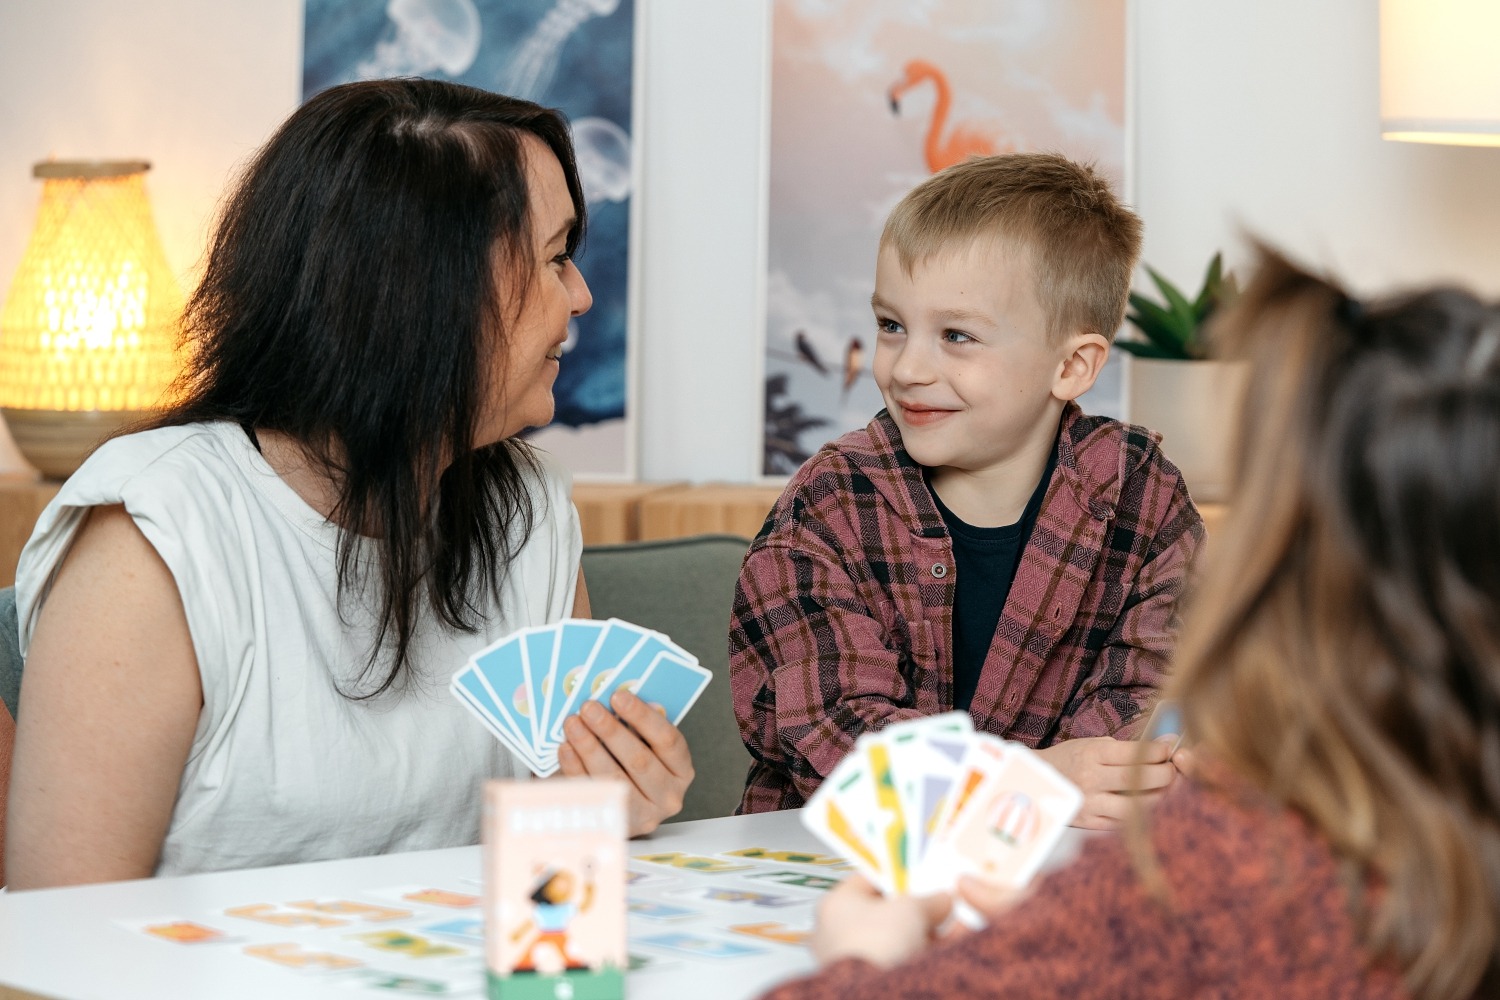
524 686
922 802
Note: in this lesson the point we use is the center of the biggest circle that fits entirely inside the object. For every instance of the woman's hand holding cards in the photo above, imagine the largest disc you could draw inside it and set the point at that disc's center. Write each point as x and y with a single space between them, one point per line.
856 920
542 692
1103 768
987 899
636 744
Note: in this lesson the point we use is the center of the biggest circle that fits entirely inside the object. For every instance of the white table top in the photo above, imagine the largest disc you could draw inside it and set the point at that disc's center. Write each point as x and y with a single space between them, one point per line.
89 941
78 943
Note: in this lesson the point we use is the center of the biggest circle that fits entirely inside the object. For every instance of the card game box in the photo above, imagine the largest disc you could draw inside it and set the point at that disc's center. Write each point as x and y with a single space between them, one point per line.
524 686
554 889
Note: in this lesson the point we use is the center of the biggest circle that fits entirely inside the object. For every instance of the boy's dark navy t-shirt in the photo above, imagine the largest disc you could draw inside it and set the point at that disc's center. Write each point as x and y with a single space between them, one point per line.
986 561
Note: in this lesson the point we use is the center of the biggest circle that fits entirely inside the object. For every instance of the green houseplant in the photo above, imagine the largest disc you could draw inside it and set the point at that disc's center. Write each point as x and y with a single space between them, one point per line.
1173 328
1175 388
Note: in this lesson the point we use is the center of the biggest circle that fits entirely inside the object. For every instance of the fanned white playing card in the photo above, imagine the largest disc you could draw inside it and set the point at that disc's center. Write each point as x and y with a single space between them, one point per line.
922 802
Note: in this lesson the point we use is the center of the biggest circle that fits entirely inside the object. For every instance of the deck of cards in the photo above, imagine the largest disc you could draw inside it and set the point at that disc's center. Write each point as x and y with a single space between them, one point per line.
525 685
920 803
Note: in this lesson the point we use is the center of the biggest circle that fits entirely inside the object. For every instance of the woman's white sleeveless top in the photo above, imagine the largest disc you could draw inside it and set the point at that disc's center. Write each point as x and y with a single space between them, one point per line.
283 766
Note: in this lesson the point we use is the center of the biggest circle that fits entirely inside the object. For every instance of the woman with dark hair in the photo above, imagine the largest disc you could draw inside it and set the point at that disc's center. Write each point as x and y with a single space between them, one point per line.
239 621
1339 672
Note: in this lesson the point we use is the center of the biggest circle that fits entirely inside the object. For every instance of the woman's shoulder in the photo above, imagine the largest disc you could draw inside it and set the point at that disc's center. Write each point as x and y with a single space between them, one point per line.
548 554
179 485
161 455
545 475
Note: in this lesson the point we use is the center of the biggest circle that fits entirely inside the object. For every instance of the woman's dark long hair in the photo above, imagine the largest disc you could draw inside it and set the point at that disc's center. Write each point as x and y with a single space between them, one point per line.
355 298
1343 651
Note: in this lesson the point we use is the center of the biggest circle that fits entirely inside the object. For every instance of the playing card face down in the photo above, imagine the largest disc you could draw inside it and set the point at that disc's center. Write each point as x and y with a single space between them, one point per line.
523 687
922 802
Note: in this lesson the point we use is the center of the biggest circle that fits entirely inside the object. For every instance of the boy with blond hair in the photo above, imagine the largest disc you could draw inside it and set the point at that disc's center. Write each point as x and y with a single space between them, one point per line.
982 544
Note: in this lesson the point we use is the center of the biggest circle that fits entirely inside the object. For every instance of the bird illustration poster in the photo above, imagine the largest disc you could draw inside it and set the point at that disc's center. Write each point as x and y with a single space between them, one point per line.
868 99
575 55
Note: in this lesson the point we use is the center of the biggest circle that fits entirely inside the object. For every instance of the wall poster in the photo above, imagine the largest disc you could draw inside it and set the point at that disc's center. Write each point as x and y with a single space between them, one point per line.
870 97
575 55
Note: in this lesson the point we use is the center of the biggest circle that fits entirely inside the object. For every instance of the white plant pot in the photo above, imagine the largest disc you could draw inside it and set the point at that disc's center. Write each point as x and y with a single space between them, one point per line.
1193 405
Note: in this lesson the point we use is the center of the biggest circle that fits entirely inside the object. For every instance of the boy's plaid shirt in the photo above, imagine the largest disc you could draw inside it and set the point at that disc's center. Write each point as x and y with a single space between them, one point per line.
843 615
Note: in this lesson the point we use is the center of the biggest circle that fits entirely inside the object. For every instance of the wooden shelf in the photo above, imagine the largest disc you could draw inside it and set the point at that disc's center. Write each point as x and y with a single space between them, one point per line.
1213 517
21 503
713 508
609 512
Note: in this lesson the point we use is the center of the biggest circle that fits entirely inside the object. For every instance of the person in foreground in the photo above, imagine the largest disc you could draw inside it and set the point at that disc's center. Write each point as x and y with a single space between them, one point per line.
982 545
1339 831
240 623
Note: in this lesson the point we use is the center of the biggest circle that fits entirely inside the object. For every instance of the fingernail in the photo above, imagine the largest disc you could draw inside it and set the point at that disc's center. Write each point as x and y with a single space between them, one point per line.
622 699
593 711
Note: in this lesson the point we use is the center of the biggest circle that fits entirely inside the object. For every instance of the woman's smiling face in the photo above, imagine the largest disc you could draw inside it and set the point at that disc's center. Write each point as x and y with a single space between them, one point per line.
552 293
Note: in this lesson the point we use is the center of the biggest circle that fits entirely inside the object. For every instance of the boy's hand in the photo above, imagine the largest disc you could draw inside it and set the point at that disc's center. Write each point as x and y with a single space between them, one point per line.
1101 766
639 746
856 921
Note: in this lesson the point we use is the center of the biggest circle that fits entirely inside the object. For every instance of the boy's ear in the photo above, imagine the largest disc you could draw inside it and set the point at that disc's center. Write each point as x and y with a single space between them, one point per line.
1083 358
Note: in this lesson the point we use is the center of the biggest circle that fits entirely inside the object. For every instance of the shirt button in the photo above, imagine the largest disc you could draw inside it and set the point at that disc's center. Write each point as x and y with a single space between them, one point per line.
939 570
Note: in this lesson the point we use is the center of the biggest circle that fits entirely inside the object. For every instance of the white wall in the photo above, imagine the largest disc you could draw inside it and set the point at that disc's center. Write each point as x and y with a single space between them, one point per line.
1261 116
1265 116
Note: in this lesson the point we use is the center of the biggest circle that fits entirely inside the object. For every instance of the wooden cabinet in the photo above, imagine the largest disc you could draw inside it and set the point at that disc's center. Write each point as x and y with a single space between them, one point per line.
1213 517
609 512
21 502
710 509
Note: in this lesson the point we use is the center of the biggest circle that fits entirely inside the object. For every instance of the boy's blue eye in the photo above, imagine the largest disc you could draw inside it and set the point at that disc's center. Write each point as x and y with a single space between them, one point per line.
956 337
887 325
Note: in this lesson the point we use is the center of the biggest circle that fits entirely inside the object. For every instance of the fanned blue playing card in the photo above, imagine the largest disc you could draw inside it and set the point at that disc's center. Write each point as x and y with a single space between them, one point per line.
672 684
525 685
632 669
576 642
619 641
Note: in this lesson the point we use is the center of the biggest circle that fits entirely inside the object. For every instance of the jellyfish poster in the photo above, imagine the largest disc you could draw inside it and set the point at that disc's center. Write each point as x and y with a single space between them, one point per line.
869 98
575 55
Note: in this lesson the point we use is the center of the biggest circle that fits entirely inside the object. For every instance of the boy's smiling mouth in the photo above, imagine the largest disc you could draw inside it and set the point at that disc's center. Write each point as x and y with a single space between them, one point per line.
920 415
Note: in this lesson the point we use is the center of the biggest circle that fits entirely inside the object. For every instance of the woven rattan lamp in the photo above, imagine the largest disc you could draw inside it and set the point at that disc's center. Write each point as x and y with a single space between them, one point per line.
88 334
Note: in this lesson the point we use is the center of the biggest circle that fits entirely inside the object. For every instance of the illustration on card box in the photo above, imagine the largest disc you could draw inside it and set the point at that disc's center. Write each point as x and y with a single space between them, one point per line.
556 901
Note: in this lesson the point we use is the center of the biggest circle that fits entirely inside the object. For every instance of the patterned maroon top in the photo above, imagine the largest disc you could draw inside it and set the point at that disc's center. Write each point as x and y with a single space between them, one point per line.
1256 910
843 616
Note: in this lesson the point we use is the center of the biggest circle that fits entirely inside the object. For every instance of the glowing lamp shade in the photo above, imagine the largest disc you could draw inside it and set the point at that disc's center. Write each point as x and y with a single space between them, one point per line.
1440 71
88 333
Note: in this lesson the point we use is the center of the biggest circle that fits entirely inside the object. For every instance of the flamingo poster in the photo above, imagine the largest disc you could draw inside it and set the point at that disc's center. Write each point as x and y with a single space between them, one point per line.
576 55
869 98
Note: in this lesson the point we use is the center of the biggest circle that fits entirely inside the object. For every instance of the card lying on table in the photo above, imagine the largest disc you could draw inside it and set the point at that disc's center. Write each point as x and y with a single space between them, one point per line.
525 685
554 889
922 802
